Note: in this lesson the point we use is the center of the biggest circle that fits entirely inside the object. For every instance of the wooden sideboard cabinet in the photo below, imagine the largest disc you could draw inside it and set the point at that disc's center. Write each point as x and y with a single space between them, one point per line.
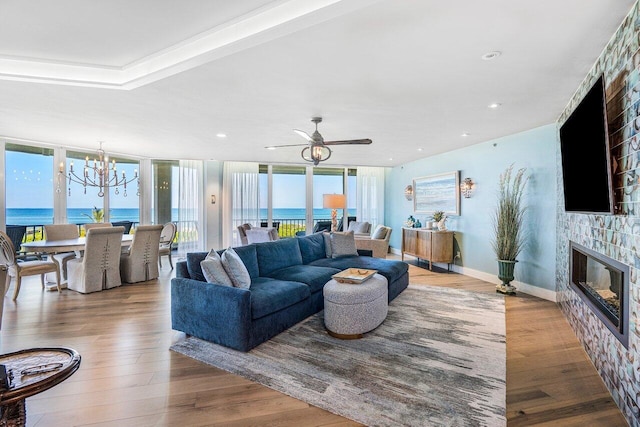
429 245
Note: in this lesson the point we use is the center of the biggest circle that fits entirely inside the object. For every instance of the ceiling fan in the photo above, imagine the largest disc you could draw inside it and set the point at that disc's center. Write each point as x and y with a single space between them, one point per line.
317 149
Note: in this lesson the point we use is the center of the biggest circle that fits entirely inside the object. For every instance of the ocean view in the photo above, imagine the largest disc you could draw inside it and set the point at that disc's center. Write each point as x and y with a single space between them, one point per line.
29 216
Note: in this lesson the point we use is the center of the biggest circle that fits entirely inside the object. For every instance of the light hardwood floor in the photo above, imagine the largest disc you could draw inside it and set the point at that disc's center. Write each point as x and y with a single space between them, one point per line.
128 376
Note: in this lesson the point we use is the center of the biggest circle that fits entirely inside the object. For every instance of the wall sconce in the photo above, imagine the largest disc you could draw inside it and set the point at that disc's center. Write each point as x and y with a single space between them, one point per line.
408 192
213 199
466 187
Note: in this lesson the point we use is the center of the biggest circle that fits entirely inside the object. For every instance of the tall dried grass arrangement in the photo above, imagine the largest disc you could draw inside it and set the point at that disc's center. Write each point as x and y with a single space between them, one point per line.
509 215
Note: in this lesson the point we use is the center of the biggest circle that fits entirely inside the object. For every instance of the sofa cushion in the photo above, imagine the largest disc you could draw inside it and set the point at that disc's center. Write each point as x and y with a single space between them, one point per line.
193 265
391 269
278 254
380 232
314 276
214 271
343 244
249 257
236 269
271 295
312 247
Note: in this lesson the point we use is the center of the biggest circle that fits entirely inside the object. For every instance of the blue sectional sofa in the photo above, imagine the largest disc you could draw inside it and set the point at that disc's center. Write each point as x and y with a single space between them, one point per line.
287 277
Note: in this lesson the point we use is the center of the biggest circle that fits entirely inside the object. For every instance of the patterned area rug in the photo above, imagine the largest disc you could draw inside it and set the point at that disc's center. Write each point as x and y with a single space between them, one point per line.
439 359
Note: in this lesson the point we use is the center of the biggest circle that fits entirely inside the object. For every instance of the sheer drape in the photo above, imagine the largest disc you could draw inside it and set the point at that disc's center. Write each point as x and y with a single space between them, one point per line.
191 207
370 199
240 198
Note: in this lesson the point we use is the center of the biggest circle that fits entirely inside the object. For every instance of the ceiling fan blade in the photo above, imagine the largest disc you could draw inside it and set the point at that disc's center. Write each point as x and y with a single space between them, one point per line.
303 134
349 142
286 145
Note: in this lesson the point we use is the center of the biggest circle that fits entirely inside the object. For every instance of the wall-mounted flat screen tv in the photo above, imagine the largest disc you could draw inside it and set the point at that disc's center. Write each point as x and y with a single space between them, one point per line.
586 162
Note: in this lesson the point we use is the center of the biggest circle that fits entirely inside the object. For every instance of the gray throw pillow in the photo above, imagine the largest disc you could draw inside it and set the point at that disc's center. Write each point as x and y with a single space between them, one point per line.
380 232
236 269
213 270
327 243
343 244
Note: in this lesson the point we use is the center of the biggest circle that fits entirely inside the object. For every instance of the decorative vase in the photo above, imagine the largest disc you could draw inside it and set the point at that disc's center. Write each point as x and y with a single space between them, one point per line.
505 273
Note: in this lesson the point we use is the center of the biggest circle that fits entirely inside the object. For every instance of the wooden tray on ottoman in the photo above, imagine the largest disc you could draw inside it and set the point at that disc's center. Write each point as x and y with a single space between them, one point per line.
354 276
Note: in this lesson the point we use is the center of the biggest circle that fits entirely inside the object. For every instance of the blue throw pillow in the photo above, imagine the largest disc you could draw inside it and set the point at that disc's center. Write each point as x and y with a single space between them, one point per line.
193 265
312 247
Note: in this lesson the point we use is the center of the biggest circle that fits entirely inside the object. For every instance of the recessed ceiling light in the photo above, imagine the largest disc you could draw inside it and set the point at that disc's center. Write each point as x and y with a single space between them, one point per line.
491 55
494 105
390 158
221 135
419 149
270 148
465 134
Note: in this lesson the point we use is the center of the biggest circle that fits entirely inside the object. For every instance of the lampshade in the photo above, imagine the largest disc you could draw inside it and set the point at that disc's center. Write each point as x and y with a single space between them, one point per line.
334 201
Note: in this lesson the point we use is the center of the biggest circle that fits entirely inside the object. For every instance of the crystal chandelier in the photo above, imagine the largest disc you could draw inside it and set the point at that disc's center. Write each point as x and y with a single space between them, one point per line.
100 174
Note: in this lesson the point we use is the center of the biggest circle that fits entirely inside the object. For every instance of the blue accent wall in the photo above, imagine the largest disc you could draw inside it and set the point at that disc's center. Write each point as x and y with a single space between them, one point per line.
534 150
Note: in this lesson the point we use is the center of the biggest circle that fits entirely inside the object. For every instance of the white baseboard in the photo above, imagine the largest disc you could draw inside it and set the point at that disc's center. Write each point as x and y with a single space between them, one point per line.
536 291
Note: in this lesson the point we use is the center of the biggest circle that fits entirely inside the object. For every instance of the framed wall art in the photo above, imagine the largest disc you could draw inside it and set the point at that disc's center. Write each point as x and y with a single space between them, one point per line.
437 193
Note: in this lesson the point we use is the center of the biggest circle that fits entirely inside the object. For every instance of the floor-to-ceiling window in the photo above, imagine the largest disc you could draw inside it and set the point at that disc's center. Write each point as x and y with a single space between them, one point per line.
289 195
29 187
164 206
81 200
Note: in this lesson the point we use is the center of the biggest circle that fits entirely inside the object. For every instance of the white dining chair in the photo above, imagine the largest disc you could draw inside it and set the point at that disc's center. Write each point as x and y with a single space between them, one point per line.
56 232
140 262
99 267
166 242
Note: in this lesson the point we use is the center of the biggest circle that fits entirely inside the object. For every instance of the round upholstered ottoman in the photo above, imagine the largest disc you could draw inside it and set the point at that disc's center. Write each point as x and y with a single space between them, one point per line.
351 310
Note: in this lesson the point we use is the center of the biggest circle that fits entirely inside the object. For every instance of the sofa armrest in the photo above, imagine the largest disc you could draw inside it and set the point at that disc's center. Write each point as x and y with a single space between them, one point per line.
380 247
216 313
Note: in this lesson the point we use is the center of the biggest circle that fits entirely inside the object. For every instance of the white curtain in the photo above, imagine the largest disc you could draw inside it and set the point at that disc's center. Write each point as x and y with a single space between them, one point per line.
191 233
370 199
240 199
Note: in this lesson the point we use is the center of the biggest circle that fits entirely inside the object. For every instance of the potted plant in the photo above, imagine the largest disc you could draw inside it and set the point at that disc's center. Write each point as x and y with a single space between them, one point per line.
439 218
507 224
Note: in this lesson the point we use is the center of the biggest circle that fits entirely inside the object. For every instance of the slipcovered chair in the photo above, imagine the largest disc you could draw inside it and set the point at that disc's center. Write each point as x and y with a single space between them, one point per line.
242 233
99 267
62 232
140 262
26 268
166 242
259 235
378 242
91 225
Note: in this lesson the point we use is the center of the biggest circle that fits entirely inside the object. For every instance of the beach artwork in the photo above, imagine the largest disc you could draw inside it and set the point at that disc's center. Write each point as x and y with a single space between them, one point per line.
437 193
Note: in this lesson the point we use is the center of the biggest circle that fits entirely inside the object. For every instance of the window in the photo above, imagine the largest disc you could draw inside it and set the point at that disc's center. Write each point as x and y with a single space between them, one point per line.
29 185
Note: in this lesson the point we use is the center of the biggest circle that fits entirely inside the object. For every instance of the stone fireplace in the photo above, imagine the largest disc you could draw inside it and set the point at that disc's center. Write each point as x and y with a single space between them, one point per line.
603 284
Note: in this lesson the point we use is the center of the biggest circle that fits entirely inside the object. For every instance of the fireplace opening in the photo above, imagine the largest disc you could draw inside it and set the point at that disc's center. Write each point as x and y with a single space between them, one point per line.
603 284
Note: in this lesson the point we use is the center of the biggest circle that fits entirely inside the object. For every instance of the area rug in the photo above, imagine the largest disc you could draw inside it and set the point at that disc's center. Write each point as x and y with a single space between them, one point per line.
439 359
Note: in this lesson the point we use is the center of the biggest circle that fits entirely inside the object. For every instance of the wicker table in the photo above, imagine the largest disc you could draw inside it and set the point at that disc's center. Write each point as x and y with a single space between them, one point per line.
30 372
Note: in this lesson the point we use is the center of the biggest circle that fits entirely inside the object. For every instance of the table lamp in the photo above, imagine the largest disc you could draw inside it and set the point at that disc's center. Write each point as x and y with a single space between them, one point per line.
334 202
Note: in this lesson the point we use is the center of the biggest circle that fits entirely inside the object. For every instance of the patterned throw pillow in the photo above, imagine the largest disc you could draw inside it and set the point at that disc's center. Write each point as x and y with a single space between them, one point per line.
236 269
213 270
343 244
380 232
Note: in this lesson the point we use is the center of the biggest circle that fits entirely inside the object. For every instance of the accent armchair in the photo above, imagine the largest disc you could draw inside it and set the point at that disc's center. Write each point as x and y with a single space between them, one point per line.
99 267
140 262
259 235
378 242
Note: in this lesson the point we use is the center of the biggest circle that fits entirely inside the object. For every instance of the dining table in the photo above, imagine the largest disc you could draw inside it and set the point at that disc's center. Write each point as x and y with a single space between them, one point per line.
51 247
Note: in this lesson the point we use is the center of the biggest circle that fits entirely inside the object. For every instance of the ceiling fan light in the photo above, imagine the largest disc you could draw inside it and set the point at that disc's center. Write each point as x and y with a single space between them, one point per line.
316 154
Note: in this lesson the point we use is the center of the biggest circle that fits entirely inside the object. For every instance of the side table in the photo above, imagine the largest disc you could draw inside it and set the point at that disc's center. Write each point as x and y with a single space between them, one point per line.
30 372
